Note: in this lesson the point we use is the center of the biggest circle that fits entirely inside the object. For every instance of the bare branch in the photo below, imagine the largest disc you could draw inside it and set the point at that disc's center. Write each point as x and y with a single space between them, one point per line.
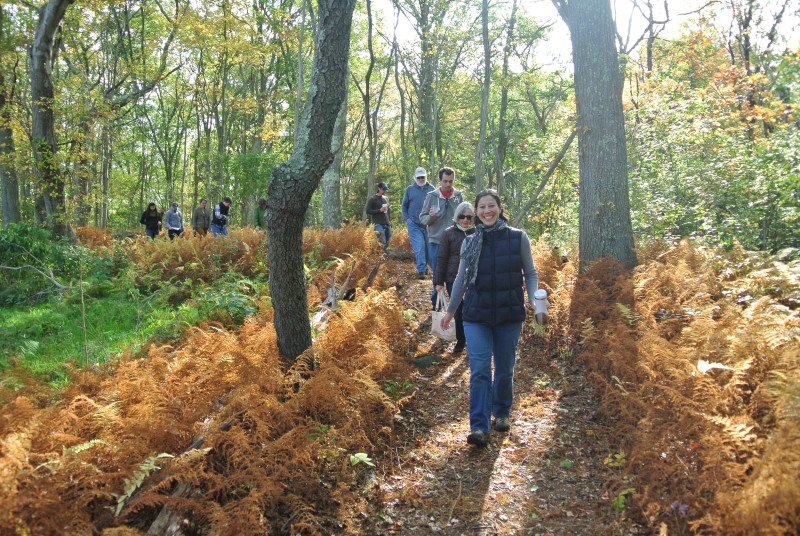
48 277
557 160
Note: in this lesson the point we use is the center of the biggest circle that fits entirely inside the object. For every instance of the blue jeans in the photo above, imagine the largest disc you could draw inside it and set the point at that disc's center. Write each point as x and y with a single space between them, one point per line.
433 253
418 234
151 233
487 396
217 229
384 234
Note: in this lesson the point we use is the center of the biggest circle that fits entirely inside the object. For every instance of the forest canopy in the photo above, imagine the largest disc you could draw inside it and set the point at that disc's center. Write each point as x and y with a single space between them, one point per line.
182 101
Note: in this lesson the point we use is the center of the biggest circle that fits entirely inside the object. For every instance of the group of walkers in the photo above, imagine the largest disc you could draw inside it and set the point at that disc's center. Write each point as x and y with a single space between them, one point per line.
203 219
474 256
482 268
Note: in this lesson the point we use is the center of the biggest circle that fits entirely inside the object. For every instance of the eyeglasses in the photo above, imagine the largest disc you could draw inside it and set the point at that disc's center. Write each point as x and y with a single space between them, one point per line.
464 217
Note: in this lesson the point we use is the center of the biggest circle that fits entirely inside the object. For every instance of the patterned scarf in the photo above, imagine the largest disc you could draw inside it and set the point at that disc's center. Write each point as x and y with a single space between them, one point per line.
472 252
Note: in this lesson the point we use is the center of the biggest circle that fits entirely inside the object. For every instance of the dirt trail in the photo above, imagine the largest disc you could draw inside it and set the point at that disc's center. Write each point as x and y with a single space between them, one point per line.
545 476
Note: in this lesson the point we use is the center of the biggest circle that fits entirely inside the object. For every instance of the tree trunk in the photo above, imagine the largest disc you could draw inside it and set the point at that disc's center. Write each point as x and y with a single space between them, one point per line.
43 137
501 145
293 182
480 168
9 185
400 91
300 82
331 185
426 95
604 222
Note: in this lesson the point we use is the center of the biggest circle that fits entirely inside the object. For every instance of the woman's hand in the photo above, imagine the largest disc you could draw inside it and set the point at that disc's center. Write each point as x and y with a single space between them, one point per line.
445 323
439 288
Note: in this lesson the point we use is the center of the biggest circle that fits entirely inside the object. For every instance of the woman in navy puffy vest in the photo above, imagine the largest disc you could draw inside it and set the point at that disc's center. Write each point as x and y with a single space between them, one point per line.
495 261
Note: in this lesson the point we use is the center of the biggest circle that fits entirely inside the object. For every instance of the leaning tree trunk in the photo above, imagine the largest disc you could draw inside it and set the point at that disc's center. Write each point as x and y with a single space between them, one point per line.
294 181
604 218
41 57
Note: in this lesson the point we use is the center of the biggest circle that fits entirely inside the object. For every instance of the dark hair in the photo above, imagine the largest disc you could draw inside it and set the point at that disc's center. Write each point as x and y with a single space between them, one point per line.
446 171
492 193
151 204
227 200
204 199
262 201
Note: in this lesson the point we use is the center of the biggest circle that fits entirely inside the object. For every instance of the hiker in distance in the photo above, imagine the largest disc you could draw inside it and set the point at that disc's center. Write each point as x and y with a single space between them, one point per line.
413 199
219 222
201 219
151 219
448 260
437 214
261 214
173 219
378 209
495 260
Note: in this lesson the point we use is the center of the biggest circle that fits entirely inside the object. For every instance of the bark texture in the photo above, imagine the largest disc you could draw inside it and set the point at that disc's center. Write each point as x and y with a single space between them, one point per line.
293 182
43 137
331 181
9 187
604 216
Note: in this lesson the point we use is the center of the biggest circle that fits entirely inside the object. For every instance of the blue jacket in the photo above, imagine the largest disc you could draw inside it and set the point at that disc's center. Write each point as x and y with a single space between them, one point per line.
413 200
497 297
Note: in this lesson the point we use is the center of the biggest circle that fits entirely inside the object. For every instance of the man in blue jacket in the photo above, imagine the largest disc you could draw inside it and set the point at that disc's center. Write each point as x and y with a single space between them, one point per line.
411 208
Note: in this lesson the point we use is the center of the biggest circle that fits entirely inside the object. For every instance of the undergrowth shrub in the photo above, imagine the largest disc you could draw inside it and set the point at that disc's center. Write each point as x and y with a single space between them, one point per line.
198 259
230 299
39 258
276 443
93 237
400 244
697 385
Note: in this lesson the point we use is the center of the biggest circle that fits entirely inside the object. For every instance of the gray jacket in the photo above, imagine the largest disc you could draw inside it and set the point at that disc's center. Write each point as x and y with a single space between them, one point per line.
445 211
173 220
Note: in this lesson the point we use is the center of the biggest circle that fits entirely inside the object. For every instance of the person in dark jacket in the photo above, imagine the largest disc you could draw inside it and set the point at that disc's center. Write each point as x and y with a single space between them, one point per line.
448 260
151 219
201 219
219 220
377 208
494 262
261 214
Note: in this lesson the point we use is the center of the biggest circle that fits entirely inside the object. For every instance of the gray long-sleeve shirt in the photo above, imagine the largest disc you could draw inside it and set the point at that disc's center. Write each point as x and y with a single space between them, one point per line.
444 208
173 220
528 269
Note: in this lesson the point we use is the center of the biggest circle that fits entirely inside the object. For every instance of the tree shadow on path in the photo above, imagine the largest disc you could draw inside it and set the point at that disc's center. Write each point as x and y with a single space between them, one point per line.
545 475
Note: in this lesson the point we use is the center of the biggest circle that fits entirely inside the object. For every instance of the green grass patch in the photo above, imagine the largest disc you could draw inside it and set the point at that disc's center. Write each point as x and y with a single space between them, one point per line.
44 338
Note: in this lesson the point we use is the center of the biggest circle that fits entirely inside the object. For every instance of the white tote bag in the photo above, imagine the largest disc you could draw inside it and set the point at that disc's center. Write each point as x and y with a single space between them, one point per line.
436 319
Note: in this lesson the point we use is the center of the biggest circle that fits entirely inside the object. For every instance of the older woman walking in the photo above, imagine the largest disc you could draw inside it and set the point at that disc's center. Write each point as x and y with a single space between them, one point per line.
494 262
448 260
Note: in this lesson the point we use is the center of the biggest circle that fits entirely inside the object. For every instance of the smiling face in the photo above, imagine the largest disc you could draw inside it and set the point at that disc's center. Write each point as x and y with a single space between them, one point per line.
488 209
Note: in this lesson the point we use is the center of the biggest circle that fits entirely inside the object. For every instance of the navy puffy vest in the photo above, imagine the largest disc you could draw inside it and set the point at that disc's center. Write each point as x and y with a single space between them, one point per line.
497 296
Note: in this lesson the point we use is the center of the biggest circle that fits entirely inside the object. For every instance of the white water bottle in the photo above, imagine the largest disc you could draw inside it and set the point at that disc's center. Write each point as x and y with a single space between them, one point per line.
541 306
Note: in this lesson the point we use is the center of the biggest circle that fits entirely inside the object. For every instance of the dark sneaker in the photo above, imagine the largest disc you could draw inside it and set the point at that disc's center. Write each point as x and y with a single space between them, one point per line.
459 347
479 438
421 275
502 424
